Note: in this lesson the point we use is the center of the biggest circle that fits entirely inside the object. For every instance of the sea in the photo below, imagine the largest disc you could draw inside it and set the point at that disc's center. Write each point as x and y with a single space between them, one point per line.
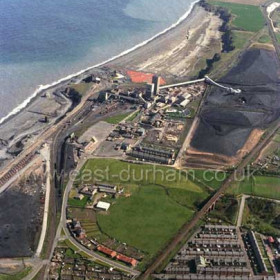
43 42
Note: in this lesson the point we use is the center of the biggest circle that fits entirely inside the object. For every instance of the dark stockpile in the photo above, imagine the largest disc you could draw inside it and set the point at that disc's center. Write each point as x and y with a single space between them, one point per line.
19 223
227 119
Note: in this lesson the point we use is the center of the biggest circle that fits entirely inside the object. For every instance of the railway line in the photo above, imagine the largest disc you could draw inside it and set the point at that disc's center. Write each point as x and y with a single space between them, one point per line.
24 157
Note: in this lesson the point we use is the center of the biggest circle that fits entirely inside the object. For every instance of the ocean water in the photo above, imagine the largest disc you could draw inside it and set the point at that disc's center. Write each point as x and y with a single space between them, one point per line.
44 41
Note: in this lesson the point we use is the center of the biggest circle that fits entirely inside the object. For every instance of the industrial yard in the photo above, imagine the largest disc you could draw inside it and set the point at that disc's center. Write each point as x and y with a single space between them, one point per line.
146 172
231 124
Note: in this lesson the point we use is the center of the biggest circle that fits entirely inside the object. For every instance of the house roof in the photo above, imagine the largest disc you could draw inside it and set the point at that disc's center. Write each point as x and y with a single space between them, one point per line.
126 259
106 251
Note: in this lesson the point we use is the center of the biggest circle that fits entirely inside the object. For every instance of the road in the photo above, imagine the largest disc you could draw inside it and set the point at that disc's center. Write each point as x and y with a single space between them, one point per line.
46 154
241 210
48 134
59 138
271 29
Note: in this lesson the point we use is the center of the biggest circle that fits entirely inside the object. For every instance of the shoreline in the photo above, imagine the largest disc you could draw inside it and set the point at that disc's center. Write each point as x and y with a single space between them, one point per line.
43 88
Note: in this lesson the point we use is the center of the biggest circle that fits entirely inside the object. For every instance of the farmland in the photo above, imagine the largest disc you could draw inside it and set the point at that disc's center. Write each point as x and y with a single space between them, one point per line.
246 17
263 186
187 187
146 220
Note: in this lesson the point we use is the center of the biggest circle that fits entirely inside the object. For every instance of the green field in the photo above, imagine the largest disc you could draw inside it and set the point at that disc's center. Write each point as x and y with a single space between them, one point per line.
116 119
78 203
263 186
240 38
133 116
160 200
246 17
186 187
146 220
265 39
210 178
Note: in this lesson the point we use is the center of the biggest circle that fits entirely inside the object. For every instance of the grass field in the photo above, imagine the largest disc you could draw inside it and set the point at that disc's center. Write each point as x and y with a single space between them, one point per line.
161 200
246 17
263 186
78 203
146 220
240 38
265 39
210 178
186 187
133 116
116 119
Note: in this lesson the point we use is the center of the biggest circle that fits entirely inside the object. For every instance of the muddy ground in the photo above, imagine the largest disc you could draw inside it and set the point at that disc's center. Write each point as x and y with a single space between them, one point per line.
227 120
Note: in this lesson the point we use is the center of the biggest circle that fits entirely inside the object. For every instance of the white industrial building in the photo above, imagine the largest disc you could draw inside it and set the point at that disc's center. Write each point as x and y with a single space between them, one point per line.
103 205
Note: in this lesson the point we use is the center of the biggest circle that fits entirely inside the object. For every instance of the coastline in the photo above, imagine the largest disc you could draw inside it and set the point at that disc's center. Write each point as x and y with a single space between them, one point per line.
43 88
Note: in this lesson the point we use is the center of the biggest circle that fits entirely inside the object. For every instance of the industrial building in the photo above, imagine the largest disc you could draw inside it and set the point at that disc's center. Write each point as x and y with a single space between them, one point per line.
156 81
103 205
152 154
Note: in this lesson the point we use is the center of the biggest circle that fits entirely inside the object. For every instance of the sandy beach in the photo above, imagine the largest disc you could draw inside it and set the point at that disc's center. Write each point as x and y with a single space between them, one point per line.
181 52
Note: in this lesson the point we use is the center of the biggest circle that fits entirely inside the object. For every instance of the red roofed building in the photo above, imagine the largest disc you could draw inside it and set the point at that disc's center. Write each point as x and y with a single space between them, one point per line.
127 260
106 251
142 77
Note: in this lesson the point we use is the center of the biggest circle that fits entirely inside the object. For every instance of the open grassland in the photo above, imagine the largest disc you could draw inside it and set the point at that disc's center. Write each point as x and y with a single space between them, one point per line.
146 220
187 187
262 186
240 38
246 2
212 179
246 17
